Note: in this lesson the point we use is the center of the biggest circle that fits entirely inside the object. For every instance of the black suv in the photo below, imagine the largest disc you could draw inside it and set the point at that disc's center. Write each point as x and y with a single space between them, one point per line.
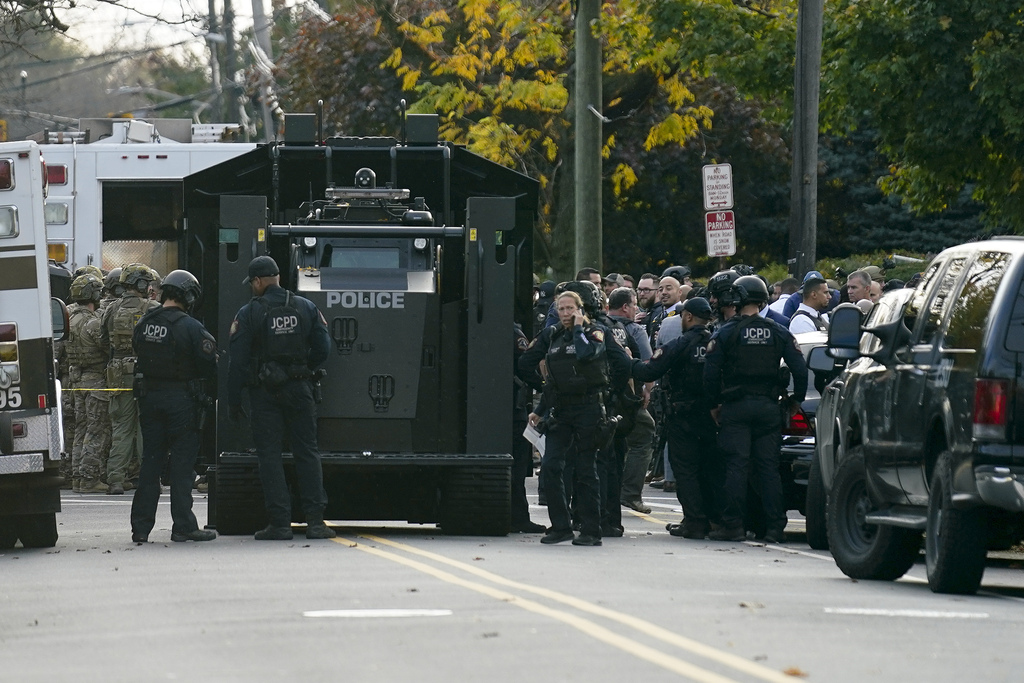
927 422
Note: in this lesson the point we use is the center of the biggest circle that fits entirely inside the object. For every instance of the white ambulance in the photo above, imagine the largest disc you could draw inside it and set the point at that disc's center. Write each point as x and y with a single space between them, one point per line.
116 192
30 416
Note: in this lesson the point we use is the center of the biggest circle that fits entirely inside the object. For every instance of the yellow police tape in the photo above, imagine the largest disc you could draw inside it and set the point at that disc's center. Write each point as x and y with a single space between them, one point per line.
129 389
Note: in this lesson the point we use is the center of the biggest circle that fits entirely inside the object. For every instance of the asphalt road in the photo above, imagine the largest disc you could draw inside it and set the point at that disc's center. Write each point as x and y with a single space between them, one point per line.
402 603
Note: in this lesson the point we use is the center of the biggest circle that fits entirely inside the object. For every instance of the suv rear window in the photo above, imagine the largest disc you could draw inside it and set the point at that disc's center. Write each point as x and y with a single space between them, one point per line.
966 325
938 304
1015 331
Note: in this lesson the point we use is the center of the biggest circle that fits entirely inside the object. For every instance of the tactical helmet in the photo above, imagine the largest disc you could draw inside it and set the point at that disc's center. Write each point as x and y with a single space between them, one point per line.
91 270
137 276
721 281
678 272
593 299
752 290
744 270
181 285
86 287
112 281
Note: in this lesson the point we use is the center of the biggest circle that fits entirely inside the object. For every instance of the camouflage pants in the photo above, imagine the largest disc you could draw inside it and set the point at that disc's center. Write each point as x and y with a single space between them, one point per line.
67 401
92 429
125 437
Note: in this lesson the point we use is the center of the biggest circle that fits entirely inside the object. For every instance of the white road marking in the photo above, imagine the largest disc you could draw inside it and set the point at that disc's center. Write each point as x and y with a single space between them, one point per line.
790 551
911 613
375 613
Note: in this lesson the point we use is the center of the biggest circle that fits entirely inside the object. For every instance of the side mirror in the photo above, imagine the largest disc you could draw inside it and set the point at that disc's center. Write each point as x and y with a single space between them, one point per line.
844 332
59 317
820 361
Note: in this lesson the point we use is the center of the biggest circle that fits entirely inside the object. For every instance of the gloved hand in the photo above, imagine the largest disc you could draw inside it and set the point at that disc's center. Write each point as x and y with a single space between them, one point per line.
236 415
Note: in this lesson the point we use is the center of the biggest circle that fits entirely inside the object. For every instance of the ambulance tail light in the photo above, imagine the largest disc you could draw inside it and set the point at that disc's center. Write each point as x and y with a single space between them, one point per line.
6 174
57 252
9 342
57 174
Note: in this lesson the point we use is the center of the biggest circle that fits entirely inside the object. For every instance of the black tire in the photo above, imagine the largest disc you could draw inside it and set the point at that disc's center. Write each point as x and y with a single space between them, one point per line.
817 502
477 501
861 550
956 540
38 531
8 533
240 506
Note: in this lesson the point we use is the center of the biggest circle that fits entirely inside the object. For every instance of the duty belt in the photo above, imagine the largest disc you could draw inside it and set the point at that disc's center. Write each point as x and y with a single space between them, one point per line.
579 399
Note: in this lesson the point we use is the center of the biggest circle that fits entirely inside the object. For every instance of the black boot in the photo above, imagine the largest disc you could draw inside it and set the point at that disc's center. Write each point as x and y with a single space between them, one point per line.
315 527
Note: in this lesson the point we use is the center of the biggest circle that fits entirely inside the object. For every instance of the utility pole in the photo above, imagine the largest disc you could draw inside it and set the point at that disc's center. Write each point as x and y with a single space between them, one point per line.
234 114
588 136
803 211
261 27
213 39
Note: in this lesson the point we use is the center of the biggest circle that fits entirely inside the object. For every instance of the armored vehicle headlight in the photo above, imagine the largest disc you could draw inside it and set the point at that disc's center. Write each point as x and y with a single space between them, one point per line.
309 242
420 243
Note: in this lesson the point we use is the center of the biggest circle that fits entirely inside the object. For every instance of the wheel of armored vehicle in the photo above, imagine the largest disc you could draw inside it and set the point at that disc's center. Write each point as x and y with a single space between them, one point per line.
38 531
863 550
240 507
817 529
476 501
956 540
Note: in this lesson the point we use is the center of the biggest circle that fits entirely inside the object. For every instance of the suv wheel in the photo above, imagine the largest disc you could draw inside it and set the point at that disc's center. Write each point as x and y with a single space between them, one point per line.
862 550
955 542
817 529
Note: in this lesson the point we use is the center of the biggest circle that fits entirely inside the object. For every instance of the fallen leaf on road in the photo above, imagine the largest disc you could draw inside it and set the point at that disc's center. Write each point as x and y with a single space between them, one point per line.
796 671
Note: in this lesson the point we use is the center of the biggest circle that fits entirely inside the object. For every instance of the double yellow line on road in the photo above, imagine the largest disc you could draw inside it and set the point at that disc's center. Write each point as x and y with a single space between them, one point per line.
590 628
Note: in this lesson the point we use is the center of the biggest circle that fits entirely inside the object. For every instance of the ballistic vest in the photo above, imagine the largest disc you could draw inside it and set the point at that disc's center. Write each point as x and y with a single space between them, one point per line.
163 346
284 333
124 315
570 376
84 347
753 354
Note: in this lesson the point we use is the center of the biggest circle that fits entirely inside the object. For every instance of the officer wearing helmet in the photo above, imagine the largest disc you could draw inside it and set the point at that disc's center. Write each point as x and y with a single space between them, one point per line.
582 362
277 340
741 377
112 289
87 358
723 297
175 356
120 318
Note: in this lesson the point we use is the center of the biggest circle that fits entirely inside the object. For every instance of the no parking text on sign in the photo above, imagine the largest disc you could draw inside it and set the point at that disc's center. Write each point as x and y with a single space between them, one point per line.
720 228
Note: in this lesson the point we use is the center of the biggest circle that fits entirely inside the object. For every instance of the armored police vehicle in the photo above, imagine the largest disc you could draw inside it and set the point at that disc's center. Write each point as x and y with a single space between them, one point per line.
418 254
30 419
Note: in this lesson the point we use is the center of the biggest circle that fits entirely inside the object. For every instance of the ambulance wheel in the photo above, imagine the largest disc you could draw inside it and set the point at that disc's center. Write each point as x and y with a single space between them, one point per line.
38 531
8 533
477 501
240 507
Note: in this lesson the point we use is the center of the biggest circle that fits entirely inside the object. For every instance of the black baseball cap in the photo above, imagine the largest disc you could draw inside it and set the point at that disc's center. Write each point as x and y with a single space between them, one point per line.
261 266
698 307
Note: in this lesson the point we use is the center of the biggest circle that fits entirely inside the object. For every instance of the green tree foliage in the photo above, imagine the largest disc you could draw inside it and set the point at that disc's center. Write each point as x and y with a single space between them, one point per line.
855 216
340 62
940 82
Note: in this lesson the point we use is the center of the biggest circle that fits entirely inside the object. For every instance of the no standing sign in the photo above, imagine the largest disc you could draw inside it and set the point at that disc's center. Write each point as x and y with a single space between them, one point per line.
719 224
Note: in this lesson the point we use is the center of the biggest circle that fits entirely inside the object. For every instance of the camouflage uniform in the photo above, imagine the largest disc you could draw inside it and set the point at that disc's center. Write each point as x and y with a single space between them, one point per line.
119 320
87 357
60 354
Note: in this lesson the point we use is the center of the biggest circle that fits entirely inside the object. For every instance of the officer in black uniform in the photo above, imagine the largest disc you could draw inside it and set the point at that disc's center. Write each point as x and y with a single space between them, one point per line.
176 355
580 356
691 431
522 451
742 372
277 340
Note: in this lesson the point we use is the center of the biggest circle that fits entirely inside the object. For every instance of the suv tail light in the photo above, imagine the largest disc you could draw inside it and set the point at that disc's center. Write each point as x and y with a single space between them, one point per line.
991 408
798 425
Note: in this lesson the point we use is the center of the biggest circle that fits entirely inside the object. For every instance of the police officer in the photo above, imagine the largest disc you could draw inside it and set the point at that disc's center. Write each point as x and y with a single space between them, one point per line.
119 320
522 451
691 431
742 373
176 355
87 357
579 362
277 340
